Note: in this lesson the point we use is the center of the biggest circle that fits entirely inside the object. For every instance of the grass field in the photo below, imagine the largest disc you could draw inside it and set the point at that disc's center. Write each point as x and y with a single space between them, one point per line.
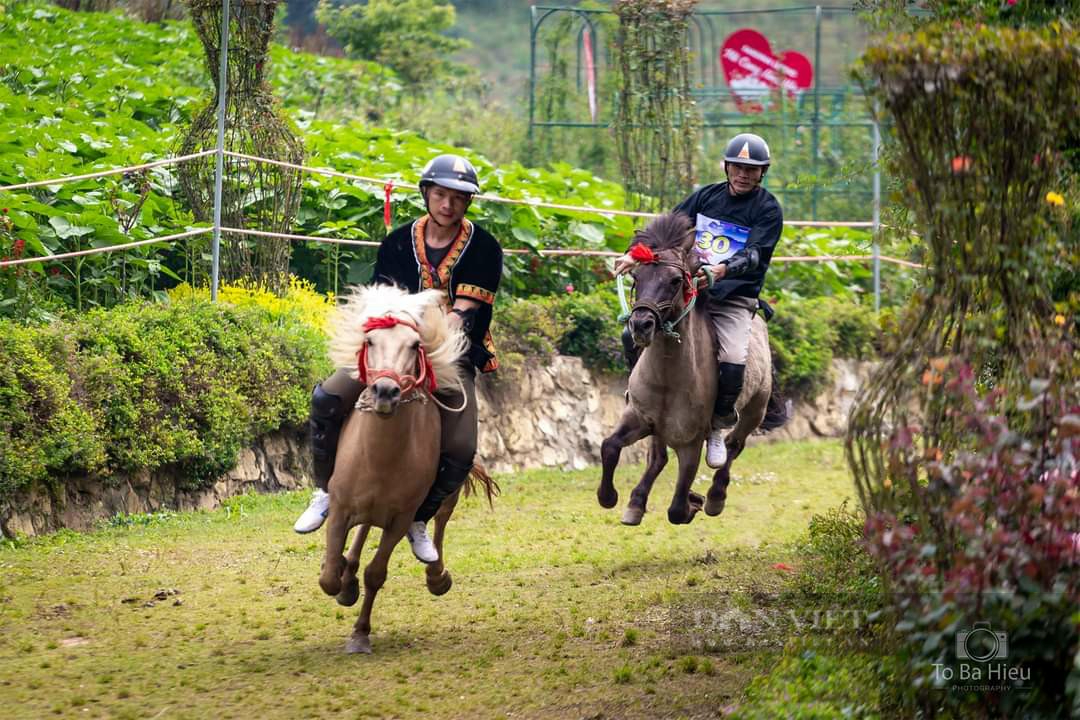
557 610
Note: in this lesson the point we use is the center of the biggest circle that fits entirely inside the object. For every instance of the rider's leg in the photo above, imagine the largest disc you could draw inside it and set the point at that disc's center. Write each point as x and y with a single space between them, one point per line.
458 448
330 403
732 320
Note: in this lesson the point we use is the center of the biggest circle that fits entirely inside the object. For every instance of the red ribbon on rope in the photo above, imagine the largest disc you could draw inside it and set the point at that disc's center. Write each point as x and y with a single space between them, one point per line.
643 254
425 377
387 189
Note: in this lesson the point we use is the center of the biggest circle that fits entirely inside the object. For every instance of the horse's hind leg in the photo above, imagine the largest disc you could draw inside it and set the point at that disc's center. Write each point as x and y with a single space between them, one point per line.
717 497
735 442
438 577
374 577
337 527
639 497
350 586
630 429
684 504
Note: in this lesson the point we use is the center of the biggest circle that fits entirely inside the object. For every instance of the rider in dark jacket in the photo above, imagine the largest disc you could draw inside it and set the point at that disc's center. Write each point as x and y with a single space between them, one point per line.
445 251
737 225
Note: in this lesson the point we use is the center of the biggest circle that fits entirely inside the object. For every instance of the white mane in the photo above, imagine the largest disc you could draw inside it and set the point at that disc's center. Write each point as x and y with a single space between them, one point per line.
442 344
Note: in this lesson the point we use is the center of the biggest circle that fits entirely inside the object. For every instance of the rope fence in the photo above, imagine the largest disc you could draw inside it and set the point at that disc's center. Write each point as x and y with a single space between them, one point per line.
562 252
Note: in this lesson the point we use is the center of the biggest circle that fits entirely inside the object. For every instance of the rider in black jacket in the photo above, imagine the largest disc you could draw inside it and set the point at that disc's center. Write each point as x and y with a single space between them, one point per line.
443 250
737 225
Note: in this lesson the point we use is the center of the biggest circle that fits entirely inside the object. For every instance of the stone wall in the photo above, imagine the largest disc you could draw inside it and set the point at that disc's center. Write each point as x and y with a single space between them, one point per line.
553 415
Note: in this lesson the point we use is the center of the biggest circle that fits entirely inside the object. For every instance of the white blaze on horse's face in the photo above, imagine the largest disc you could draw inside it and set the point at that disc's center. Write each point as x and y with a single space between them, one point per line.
395 351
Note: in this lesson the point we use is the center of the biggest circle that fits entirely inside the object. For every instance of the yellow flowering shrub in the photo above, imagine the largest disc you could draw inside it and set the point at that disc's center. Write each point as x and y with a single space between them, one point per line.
301 302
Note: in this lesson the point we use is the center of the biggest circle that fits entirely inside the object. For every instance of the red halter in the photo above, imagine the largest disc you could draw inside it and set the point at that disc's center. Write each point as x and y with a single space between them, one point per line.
425 377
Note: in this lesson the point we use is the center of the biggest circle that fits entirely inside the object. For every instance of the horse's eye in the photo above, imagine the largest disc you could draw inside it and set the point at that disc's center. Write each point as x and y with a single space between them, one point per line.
416 346
367 341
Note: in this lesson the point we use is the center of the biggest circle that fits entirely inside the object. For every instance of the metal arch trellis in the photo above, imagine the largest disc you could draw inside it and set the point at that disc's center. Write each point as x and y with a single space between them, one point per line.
705 41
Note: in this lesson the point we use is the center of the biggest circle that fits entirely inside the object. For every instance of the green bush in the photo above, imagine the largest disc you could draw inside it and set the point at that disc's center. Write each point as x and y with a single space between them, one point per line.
584 325
817 679
805 335
802 340
144 386
837 567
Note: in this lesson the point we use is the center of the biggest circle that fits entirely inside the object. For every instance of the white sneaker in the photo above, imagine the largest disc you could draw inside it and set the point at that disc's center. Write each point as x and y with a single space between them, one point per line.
422 547
715 449
315 515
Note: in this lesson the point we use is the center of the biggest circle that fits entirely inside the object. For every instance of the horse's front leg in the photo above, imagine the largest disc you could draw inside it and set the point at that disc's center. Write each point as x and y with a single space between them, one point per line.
630 429
350 586
684 504
438 577
374 578
639 497
337 527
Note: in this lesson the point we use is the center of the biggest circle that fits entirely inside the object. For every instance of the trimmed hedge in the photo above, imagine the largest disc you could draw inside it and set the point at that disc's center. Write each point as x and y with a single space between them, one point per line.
805 335
143 386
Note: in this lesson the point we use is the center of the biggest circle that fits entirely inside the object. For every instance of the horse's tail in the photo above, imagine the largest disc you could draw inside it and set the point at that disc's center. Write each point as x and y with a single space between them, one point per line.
779 409
479 476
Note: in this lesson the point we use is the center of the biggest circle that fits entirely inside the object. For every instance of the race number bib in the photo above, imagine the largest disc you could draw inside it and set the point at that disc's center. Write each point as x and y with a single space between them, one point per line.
718 240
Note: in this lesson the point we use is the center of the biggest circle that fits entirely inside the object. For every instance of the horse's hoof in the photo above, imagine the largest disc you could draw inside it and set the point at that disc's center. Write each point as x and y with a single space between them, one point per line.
440 585
696 501
330 578
608 498
632 515
358 644
682 515
349 594
715 505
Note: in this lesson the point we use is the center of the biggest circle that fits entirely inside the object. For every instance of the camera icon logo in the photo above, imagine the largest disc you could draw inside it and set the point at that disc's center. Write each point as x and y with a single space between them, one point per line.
981 644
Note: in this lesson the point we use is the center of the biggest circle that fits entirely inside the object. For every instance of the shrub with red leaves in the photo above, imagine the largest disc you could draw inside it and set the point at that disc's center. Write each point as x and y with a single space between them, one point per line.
1000 559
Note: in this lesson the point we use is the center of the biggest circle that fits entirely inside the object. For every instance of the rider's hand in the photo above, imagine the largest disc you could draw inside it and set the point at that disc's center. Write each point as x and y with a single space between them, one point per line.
624 264
709 274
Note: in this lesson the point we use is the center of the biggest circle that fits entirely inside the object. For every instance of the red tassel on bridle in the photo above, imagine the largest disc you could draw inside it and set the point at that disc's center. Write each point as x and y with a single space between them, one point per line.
425 377
643 254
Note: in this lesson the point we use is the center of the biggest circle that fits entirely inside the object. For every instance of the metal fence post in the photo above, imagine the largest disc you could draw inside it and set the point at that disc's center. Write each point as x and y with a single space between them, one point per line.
877 213
219 159
817 111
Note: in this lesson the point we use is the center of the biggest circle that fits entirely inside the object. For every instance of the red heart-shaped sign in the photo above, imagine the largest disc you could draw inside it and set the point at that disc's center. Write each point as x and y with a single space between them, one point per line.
753 72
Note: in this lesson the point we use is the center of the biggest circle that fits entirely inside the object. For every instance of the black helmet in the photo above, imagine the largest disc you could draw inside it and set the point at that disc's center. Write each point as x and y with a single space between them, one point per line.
747 149
451 171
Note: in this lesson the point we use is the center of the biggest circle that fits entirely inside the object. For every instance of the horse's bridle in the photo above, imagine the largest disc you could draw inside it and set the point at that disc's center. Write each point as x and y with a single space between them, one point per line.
645 255
425 375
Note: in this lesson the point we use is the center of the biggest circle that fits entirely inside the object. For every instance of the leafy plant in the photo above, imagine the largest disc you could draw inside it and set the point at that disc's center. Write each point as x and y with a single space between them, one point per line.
407 36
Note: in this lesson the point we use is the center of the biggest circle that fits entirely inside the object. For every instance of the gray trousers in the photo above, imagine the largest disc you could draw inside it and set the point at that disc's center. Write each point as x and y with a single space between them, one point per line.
459 430
731 320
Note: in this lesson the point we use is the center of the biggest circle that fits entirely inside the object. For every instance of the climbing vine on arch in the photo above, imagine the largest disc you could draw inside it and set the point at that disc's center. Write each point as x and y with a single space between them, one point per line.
655 124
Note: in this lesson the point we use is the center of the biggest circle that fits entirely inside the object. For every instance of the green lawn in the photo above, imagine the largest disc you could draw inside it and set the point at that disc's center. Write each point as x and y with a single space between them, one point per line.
557 610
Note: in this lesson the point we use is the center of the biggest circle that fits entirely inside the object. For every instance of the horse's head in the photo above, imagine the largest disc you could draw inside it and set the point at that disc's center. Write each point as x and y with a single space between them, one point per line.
392 361
664 276
396 343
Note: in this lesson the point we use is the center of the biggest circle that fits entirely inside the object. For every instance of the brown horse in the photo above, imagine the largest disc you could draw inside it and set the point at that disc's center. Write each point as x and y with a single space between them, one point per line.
388 452
673 384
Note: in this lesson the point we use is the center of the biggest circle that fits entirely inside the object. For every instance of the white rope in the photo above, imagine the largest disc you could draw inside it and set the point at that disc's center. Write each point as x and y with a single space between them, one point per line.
104 173
290 236
108 249
560 252
516 201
